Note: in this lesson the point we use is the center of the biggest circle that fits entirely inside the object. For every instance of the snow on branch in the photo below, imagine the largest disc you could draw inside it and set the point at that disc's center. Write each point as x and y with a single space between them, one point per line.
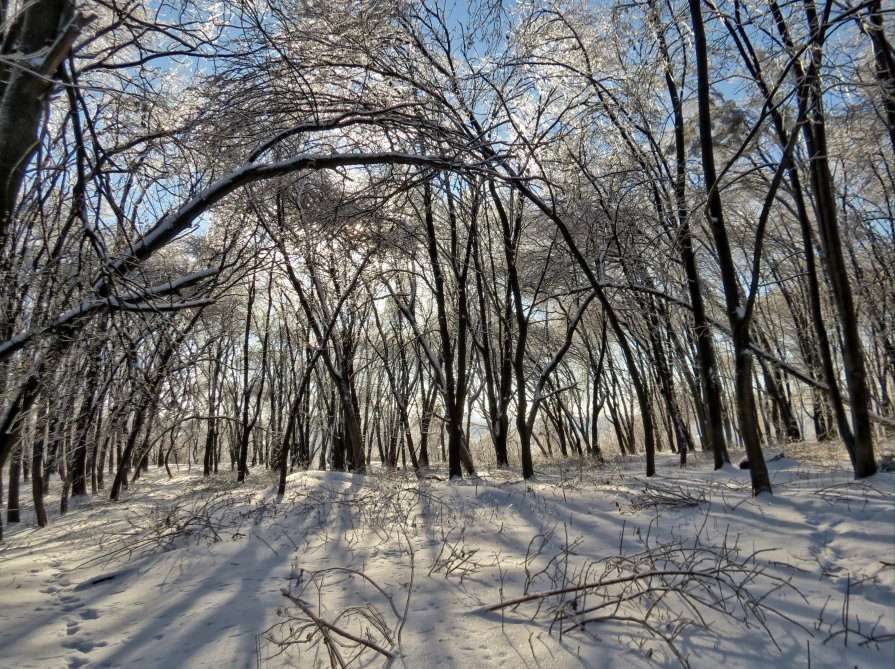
352 118
142 300
180 219
169 287
158 306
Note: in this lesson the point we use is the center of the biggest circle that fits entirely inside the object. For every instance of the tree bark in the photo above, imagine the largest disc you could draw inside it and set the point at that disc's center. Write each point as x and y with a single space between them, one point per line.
810 95
743 359
707 362
15 476
42 34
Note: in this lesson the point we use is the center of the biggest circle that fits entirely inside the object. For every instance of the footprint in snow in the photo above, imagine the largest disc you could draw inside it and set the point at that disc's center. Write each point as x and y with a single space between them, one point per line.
89 614
83 645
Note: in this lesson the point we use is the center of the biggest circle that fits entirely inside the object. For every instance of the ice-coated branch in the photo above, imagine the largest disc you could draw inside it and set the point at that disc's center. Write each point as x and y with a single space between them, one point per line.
169 287
159 306
534 596
132 301
181 218
352 118
326 626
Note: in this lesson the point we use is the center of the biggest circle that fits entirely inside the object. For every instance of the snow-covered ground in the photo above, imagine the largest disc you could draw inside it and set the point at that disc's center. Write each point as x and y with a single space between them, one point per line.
681 569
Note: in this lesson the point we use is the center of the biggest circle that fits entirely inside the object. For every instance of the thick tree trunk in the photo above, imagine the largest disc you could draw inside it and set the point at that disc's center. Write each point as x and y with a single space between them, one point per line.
596 404
146 404
427 412
885 62
41 36
810 93
211 434
640 390
13 419
78 463
126 456
353 434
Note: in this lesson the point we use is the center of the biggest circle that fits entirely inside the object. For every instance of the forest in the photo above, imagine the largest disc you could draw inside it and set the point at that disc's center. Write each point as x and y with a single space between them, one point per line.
284 234
274 245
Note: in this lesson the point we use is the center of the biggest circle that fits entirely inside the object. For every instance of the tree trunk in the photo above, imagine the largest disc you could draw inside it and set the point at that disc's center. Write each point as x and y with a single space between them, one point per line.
746 411
511 234
885 63
15 475
453 358
706 363
41 36
810 92
37 480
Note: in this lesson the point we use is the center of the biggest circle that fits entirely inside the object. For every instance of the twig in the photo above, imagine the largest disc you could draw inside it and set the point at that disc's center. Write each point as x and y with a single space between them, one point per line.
409 587
321 623
601 584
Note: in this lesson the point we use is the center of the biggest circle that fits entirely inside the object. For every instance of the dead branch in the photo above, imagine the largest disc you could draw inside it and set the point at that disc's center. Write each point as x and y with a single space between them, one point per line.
321 623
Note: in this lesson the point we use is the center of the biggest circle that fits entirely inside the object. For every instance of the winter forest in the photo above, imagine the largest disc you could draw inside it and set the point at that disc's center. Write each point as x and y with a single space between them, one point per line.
527 301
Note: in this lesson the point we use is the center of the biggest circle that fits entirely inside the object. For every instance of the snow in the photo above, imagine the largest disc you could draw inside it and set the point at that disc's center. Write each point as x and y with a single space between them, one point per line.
191 573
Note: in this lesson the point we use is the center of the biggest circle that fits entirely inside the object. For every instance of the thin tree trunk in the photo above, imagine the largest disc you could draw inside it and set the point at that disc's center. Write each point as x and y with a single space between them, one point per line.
707 363
743 359
15 476
37 480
